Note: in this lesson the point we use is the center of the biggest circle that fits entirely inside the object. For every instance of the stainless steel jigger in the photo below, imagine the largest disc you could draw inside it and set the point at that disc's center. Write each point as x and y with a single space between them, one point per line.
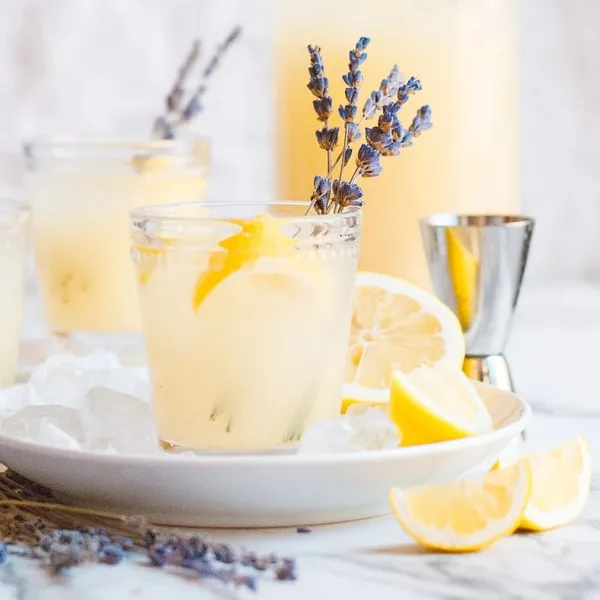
477 264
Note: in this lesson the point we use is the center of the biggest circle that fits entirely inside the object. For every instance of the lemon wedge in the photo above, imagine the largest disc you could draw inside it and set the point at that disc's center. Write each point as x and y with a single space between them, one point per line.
464 516
560 485
396 325
436 405
260 237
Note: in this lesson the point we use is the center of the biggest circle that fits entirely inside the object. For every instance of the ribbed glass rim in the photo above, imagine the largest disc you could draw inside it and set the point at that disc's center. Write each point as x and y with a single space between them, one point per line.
165 212
65 147
476 220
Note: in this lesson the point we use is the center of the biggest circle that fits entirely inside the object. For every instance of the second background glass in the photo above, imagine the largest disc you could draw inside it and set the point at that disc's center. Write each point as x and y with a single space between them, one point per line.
81 194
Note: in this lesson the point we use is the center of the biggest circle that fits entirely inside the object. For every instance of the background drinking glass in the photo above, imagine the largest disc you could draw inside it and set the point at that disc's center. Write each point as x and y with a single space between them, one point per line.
81 195
14 221
246 319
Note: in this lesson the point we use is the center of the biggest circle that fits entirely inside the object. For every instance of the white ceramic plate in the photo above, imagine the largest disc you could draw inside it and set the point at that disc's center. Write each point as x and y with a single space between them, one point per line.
261 490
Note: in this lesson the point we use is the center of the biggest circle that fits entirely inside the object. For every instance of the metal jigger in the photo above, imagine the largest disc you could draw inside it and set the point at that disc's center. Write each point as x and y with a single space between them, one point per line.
477 264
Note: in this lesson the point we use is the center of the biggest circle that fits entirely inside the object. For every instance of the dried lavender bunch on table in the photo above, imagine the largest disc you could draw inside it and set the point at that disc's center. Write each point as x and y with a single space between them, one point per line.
60 537
181 104
334 192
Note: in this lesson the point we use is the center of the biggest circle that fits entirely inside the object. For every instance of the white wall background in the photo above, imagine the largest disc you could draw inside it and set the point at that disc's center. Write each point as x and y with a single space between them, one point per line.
96 65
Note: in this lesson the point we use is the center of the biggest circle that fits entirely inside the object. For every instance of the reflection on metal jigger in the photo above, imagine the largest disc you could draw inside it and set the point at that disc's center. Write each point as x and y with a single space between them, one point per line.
477 264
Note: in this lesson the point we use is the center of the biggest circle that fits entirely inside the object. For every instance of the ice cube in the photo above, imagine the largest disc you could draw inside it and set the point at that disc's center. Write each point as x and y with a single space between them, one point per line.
12 399
117 421
368 430
57 426
65 379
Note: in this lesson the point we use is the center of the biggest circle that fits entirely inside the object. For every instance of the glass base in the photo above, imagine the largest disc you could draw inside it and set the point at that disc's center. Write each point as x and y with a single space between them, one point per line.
175 449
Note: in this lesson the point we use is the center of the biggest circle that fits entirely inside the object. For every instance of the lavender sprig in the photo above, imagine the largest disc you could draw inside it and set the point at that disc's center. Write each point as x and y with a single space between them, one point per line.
179 112
353 80
387 138
327 138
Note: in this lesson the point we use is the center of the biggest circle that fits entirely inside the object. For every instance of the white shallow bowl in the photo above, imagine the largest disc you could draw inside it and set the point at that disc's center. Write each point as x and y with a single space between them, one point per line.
261 490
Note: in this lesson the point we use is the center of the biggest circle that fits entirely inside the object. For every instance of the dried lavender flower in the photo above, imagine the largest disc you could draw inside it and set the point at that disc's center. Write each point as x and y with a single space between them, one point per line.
3 553
348 194
422 122
328 138
180 111
412 86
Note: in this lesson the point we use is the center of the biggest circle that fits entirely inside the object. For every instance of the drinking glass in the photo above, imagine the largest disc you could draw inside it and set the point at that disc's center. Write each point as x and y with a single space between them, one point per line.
246 313
14 221
81 194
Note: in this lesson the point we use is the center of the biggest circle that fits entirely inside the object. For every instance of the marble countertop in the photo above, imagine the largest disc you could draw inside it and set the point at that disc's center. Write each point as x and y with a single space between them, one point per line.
554 351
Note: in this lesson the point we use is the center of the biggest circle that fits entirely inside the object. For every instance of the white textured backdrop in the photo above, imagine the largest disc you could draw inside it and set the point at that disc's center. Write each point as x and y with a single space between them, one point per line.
103 65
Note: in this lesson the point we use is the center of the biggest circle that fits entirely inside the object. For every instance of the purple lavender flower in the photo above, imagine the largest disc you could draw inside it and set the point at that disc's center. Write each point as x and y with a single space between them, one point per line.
389 117
367 161
422 122
179 110
387 138
347 113
324 108
382 141
328 138
412 86
348 194
353 132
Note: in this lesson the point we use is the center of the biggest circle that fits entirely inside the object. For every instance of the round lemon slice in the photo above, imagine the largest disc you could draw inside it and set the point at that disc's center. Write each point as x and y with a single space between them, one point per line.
560 485
396 325
436 404
464 516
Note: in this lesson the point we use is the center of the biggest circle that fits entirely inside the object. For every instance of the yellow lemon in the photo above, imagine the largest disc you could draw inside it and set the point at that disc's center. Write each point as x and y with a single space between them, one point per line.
560 485
467 515
396 325
436 404
260 237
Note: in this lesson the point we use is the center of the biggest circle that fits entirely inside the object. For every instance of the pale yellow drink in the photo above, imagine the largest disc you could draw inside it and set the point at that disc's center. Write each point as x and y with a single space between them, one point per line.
246 321
82 195
464 52
14 220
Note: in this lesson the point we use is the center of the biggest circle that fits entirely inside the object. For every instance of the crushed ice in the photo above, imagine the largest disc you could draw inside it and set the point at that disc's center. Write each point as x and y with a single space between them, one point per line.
362 428
87 402
94 403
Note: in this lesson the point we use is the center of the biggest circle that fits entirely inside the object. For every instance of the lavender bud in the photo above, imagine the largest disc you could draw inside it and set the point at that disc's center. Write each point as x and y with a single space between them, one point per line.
372 170
353 132
407 139
366 156
323 107
192 108
321 185
369 109
382 141
3 552
328 138
348 194
110 554
351 95
347 113
347 156
422 122
389 87
162 129
319 86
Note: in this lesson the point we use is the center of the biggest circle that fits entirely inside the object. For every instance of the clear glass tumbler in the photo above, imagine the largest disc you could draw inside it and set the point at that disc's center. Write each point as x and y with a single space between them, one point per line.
14 222
81 194
246 313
